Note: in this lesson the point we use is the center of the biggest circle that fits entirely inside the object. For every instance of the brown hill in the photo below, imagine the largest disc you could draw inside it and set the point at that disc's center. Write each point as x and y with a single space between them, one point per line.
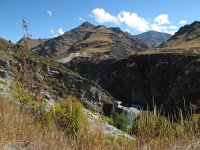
32 42
153 38
187 36
88 39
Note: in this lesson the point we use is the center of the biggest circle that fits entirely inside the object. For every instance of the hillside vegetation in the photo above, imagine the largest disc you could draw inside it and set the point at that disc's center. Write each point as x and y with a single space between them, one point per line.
20 130
186 37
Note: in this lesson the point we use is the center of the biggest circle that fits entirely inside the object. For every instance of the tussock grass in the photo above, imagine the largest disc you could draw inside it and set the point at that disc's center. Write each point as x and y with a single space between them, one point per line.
19 130
151 131
154 131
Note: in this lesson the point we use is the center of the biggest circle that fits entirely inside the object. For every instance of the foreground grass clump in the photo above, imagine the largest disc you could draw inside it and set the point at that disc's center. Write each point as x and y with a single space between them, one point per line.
151 130
65 125
19 130
157 132
69 115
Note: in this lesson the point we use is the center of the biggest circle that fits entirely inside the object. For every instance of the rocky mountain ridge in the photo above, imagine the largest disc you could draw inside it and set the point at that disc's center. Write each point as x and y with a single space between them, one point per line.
89 39
186 37
153 38
32 42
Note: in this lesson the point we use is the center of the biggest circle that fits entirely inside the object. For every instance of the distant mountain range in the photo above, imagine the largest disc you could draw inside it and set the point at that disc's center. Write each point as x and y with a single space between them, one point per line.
153 38
88 39
187 36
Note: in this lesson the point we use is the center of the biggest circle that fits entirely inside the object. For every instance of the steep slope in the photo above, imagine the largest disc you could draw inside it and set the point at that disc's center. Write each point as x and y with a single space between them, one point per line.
32 42
187 36
59 81
88 39
168 79
153 38
6 48
5 45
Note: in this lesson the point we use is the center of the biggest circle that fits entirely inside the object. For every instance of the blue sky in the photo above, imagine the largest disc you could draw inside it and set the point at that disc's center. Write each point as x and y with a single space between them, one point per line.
49 18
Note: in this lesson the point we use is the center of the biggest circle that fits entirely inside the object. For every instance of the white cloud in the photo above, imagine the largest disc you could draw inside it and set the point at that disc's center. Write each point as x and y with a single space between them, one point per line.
165 29
158 28
171 32
102 16
81 19
173 27
49 12
60 31
162 19
183 22
132 20
55 35
127 30
52 31
160 23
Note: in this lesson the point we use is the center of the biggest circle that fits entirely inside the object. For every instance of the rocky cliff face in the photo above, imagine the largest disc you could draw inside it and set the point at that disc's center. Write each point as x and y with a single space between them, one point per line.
65 82
60 81
168 79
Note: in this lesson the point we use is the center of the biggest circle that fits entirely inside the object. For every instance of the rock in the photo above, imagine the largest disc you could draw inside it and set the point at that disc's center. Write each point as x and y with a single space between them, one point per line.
96 123
69 83
3 68
163 78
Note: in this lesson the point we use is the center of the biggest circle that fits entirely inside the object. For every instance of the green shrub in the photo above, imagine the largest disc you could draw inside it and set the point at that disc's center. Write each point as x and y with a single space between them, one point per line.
19 92
120 122
42 116
69 115
33 104
107 119
3 82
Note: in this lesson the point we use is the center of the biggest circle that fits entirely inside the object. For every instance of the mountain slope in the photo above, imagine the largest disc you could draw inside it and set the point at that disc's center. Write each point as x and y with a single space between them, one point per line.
88 39
32 42
187 36
59 81
153 38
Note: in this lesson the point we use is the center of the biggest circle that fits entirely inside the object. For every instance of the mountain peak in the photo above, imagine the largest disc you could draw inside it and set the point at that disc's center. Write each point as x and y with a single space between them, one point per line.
195 23
87 25
187 36
90 39
116 29
153 38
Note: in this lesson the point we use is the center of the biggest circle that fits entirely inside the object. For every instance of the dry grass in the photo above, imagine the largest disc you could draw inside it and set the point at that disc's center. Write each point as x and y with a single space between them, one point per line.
153 131
19 130
182 42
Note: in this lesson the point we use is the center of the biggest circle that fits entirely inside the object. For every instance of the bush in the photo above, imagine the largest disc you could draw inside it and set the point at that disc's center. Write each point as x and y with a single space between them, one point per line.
19 92
119 121
69 115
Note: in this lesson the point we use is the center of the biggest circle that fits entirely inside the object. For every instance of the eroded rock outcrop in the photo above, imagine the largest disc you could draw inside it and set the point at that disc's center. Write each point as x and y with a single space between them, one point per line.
69 83
171 80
